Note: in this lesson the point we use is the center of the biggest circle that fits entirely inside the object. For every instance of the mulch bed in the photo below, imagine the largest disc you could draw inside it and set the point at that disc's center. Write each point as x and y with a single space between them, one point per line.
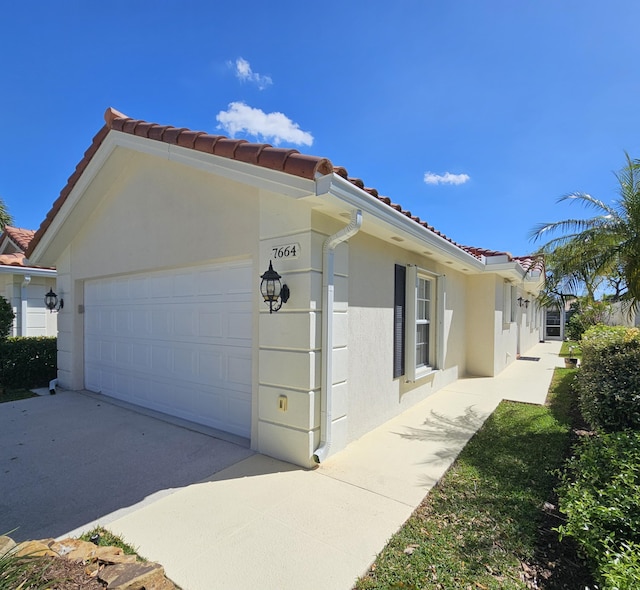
63 574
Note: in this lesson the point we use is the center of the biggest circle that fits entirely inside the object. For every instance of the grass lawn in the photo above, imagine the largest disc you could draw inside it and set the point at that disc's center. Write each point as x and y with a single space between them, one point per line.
482 521
577 350
12 395
105 538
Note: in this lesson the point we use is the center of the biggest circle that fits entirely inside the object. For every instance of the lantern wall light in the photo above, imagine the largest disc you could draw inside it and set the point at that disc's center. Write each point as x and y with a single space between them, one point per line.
522 301
51 301
272 290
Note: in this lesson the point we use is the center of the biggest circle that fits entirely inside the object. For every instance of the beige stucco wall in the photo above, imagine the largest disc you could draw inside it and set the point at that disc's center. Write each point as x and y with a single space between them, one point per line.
481 311
530 318
505 332
374 396
289 340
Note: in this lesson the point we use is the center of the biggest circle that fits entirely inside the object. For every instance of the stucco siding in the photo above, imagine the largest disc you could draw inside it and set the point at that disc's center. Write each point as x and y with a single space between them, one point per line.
481 309
374 396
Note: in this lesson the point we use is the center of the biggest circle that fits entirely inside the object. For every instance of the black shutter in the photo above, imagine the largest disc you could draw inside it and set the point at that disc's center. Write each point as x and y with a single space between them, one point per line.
398 320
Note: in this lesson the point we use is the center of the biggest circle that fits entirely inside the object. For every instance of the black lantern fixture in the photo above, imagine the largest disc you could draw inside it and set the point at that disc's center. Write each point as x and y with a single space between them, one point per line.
520 300
52 303
273 291
526 303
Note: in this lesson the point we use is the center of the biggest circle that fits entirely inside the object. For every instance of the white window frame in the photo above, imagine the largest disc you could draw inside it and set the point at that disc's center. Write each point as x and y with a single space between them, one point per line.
413 370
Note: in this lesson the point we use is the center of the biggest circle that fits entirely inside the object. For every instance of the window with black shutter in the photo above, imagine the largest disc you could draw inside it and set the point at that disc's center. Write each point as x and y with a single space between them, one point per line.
399 304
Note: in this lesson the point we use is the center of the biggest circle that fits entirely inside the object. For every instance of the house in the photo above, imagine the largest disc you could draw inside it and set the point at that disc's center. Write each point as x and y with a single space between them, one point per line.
162 238
24 286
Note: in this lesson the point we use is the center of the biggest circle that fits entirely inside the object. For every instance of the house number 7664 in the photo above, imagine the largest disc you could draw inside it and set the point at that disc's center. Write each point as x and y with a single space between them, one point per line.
286 251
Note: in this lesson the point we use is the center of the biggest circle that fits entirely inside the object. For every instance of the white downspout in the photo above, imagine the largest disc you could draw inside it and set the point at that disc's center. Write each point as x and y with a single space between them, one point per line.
326 394
24 305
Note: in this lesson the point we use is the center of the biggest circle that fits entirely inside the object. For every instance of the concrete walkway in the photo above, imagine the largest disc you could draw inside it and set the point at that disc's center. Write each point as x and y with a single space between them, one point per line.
266 524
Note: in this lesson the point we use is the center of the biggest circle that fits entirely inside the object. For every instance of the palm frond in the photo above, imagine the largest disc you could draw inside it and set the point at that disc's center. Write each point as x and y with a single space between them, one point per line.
588 201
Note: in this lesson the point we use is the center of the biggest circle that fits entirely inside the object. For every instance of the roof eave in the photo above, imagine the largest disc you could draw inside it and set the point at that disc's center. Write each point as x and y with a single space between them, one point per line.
353 197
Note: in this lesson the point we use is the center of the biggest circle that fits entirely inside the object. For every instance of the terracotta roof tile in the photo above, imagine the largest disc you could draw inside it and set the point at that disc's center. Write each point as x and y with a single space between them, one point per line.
250 152
16 259
227 147
19 236
188 138
285 160
205 142
274 158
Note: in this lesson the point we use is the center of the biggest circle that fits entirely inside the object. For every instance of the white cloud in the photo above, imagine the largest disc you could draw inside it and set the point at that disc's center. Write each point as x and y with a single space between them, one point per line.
446 178
271 127
246 74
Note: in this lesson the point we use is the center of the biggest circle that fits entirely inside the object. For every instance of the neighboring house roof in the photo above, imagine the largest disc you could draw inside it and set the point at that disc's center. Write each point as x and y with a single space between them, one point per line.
19 236
289 161
14 242
15 259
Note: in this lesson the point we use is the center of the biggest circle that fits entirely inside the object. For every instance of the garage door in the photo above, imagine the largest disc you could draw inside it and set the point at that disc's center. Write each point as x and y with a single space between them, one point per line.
174 341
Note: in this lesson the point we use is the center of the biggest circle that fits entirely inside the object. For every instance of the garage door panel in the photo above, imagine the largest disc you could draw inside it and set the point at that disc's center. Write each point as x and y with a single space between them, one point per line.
239 325
238 370
178 342
209 324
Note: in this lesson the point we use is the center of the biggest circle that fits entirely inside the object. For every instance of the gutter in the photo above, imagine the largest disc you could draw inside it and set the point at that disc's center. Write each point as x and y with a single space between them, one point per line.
326 392
27 270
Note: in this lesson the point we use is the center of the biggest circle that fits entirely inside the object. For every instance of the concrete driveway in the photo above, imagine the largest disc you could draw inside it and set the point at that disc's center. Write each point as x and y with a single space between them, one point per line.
71 459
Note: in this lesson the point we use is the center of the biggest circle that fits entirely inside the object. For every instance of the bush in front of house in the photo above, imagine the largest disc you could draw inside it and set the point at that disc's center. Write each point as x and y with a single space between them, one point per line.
6 318
584 314
609 380
600 496
28 362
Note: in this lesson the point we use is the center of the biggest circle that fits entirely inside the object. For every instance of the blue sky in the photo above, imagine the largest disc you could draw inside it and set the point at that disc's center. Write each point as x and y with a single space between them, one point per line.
474 115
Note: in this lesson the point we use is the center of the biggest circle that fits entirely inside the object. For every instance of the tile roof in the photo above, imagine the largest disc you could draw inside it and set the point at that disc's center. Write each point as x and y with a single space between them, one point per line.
15 259
285 160
19 236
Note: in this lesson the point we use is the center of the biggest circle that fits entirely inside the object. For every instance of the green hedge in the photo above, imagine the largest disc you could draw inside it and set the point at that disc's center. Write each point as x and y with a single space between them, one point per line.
27 362
609 379
600 496
6 318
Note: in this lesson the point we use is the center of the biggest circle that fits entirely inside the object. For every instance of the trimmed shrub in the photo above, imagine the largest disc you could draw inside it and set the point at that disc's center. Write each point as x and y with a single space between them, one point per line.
584 314
600 496
609 380
28 362
6 318
622 568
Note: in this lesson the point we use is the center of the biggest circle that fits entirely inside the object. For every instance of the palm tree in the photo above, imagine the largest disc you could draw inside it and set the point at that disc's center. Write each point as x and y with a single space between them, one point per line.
5 216
593 248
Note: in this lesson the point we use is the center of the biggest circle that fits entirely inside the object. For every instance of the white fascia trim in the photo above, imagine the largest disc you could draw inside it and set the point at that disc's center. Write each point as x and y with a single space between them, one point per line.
251 174
357 198
512 268
26 270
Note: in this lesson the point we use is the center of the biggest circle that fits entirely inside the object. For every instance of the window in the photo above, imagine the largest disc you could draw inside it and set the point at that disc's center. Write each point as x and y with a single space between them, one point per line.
509 303
415 327
399 306
423 322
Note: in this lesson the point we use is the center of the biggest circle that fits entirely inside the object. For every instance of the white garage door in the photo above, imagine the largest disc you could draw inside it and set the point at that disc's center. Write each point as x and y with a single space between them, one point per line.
174 341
